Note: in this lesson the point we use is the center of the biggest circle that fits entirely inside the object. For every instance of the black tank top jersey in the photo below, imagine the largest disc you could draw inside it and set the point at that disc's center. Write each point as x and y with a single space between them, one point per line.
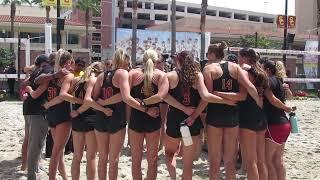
84 122
188 96
222 115
140 121
80 93
117 121
250 114
34 106
58 113
274 114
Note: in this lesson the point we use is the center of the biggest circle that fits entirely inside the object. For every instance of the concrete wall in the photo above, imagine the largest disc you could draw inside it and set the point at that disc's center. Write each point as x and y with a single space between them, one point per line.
306 12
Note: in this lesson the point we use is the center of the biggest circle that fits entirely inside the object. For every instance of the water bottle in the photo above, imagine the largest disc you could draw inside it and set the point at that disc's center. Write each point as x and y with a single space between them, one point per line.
186 135
293 121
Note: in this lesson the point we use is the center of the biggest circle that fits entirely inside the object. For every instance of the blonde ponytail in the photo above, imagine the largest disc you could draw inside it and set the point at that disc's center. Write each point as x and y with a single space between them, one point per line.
96 67
280 70
148 75
57 60
149 59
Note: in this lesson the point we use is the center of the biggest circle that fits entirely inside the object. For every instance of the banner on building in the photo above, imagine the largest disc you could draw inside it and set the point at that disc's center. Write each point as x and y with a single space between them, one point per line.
66 3
310 62
49 2
281 20
160 41
292 22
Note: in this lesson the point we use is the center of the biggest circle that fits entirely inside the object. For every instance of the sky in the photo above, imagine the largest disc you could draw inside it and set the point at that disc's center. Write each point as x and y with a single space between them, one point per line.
264 6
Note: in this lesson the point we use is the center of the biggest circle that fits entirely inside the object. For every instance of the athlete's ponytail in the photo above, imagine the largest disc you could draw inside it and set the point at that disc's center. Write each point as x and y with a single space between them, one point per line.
189 68
261 80
149 59
96 67
280 70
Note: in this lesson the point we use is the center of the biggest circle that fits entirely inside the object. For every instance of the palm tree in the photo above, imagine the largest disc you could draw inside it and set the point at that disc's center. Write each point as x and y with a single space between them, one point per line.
134 31
204 6
13 8
88 6
173 27
121 11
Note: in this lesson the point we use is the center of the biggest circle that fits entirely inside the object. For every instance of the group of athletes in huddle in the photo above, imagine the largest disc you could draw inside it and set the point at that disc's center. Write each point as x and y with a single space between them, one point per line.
243 103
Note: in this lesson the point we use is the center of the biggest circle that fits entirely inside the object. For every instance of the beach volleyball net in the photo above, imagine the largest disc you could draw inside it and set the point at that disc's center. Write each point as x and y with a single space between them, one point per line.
301 68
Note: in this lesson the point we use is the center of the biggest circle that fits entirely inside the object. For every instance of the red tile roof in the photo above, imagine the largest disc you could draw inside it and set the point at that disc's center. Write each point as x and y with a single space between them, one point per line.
36 20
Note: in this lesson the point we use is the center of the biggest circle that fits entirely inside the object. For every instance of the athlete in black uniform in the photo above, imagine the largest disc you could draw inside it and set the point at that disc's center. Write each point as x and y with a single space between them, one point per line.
252 119
83 123
221 115
58 115
278 124
110 126
183 96
152 84
224 79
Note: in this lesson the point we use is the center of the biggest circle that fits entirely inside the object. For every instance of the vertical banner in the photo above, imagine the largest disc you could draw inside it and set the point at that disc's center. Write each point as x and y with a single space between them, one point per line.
49 2
66 3
48 38
311 62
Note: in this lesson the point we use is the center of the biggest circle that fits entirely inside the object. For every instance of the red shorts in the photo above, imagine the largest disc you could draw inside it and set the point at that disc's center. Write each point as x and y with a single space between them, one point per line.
278 133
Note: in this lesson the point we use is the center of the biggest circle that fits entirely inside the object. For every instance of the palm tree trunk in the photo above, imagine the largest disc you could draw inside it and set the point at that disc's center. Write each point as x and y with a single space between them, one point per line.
134 31
87 29
204 6
121 11
48 14
173 27
12 17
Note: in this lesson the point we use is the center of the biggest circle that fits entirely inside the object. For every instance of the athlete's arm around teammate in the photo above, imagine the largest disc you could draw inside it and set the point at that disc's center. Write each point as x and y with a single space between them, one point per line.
162 82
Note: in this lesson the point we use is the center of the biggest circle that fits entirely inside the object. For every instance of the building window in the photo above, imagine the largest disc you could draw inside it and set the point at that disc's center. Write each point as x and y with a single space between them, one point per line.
129 4
161 17
144 16
96 24
225 14
127 15
34 37
5 34
140 5
73 39
96 48
97 13
180 8
211 13
96 37
161 6
268 20
254 18
239 16
193 10
147 5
